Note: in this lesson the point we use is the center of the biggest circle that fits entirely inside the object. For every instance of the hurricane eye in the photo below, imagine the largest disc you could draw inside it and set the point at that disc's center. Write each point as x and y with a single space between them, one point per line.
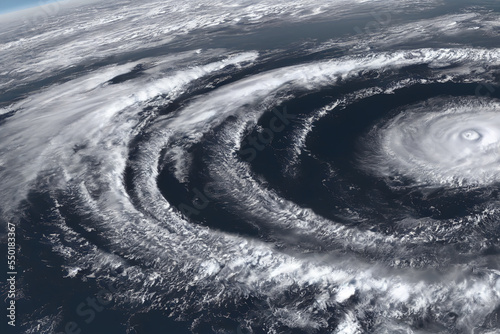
471 135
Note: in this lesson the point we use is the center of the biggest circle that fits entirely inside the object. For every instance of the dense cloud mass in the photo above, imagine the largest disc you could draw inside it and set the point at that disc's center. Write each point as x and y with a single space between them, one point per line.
253 166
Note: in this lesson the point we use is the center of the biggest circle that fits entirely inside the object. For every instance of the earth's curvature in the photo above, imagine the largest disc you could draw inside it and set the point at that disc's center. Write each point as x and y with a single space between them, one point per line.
253 166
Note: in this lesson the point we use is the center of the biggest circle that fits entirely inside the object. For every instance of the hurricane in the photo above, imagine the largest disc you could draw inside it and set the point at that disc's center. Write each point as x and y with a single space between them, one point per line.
456 145
253 166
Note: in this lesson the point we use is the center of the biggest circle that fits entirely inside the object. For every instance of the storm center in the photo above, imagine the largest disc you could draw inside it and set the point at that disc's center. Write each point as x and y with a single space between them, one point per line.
471 135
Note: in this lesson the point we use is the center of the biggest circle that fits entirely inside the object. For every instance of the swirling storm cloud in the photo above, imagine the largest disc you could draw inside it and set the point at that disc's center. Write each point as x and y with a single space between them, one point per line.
253 166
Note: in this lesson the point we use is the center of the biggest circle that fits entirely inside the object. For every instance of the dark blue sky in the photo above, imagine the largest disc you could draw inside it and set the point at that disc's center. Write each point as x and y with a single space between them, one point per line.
13 5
